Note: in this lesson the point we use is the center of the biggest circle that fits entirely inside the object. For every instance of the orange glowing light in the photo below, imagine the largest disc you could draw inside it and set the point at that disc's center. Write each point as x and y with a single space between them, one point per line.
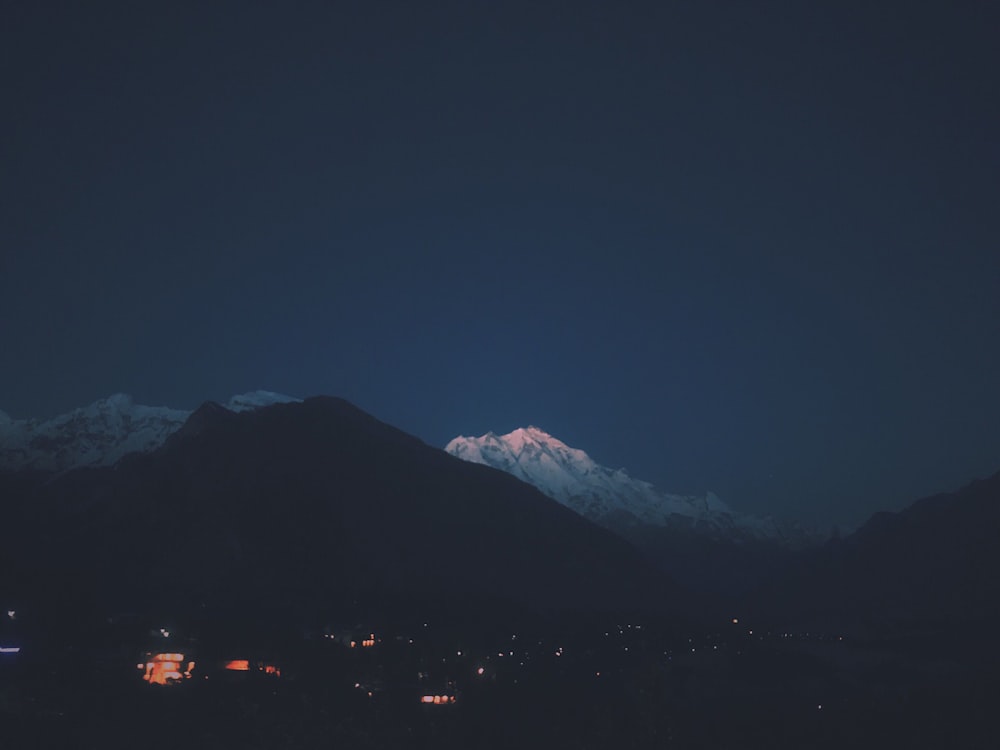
238 665
163 669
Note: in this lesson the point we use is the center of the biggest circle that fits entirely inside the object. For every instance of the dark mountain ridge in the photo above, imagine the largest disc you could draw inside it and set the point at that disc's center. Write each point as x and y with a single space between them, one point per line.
932 566
300 506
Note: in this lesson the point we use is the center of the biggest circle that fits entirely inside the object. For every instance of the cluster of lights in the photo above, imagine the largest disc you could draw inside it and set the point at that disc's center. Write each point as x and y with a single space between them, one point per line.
243 665
168 666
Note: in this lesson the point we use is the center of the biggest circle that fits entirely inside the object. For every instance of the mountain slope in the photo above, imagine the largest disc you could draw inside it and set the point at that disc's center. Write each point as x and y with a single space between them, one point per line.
935 564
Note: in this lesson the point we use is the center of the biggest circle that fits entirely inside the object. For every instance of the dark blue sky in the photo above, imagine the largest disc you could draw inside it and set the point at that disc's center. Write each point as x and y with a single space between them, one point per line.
748 249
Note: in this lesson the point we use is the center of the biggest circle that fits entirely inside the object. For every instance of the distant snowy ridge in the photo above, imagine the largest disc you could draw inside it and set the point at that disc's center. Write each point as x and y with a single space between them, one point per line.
100 434
606 496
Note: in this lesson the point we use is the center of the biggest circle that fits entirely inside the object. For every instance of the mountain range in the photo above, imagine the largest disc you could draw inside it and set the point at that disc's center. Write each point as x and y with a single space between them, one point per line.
268 498
293 507
698 540
103 432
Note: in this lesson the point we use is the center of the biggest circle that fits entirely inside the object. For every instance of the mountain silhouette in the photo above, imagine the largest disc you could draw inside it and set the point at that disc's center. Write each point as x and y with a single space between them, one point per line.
299 507
932 567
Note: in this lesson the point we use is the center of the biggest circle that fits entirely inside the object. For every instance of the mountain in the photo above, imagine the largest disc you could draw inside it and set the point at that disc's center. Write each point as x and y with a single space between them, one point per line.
606 496
930 567
302 506
699 541
100 434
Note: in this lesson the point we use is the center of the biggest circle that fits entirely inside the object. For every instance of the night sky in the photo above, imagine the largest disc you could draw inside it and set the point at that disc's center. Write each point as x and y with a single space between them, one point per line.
746 247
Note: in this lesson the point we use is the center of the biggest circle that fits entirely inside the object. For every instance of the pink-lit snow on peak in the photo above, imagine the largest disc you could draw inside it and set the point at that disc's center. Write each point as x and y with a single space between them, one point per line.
525 435
571 477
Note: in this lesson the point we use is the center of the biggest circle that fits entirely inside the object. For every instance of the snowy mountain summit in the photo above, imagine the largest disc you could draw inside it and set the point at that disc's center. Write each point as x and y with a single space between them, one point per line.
606 496
100 434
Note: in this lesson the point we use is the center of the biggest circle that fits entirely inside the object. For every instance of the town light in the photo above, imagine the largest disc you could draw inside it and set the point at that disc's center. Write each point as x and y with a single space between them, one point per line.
163 669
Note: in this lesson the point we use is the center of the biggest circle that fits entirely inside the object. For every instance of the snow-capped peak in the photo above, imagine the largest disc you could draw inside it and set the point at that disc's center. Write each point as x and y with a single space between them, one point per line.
101 433
604 495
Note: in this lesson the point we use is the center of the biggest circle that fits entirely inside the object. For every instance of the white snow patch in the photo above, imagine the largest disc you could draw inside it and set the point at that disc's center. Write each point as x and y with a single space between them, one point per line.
102 433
